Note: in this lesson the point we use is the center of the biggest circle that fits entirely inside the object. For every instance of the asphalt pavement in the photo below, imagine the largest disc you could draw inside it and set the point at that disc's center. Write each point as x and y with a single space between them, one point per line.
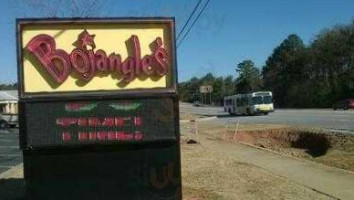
339 120
10 154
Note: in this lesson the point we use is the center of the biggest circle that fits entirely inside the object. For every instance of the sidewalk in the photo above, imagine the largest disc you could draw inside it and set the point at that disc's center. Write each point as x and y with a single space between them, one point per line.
331 181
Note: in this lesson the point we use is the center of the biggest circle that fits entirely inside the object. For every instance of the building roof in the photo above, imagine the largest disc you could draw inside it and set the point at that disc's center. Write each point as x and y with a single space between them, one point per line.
8 95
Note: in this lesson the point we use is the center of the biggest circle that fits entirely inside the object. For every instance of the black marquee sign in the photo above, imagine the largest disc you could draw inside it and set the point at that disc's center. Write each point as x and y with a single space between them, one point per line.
85 135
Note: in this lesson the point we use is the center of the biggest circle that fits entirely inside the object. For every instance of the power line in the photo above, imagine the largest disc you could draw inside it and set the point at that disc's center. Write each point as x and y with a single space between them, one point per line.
189 18
196 19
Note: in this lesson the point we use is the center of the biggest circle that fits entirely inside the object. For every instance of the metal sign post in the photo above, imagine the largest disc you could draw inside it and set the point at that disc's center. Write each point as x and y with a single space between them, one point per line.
99 112
204 90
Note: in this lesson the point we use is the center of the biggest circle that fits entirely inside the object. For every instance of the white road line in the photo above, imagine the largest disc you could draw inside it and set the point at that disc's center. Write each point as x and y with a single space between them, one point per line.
5 140
11 147
10 155
340 115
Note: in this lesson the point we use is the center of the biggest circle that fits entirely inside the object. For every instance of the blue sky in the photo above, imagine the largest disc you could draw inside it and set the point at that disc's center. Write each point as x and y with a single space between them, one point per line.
227 32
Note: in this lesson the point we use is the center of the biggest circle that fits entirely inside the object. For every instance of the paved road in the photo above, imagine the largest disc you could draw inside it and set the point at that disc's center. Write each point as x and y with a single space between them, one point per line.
322 118
10 154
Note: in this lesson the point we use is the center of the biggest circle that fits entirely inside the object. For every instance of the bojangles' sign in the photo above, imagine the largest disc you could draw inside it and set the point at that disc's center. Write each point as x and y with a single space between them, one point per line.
61 57
59 64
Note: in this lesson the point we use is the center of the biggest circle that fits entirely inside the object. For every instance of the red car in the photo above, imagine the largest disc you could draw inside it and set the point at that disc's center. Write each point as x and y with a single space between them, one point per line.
344 104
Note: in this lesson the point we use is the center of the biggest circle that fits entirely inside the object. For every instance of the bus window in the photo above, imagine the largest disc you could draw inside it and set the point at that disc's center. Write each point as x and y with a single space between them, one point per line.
228 102
244 101
267 99
257 100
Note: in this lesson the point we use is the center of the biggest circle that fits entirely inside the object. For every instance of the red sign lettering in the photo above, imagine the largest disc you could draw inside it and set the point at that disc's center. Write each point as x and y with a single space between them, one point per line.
103 136
66 136
86 61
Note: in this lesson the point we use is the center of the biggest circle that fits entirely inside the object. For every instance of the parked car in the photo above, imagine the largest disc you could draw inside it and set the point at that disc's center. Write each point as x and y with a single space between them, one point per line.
8 120
197 103
344 104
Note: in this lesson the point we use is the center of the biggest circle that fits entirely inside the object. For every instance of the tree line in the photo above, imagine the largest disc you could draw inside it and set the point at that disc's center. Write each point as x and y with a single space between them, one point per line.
12 86
299 75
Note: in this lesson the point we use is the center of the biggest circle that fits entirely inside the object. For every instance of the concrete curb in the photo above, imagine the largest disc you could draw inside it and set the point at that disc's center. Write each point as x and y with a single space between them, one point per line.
9 173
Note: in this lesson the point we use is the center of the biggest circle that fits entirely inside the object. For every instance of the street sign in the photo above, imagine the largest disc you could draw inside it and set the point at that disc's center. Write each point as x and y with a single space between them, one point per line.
98 108
206 89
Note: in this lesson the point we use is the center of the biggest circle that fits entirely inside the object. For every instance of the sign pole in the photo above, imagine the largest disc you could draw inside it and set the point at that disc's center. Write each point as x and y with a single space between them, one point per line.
210 97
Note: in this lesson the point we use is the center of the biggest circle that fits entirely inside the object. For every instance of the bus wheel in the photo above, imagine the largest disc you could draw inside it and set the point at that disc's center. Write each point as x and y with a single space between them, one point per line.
230 112
248 112
266 113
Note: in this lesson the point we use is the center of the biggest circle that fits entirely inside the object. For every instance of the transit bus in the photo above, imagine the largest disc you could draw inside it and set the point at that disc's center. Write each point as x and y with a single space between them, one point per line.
249 104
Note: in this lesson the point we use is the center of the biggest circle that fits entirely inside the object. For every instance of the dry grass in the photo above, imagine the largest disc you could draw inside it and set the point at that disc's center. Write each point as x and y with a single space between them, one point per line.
188 116
208 174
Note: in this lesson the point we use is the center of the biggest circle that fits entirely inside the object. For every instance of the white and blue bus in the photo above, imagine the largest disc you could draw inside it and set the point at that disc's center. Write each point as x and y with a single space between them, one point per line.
249 104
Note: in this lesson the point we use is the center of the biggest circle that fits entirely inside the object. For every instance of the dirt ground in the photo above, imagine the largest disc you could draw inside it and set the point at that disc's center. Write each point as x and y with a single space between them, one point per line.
333 149
207 174
317 145
189 116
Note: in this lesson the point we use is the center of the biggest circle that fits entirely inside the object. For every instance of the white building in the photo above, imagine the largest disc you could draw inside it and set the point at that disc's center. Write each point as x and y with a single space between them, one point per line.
9 101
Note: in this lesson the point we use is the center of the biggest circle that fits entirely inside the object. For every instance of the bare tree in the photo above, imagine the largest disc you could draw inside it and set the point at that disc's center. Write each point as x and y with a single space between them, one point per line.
58 8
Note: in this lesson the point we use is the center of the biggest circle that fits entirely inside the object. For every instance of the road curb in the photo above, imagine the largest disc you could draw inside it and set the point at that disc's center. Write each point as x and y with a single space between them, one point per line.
9 173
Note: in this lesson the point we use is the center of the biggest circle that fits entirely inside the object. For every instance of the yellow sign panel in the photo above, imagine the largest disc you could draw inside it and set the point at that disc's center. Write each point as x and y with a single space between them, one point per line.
67 57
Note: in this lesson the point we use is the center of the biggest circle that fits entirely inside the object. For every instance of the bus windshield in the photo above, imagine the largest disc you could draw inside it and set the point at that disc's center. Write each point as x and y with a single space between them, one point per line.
262 100
267 99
